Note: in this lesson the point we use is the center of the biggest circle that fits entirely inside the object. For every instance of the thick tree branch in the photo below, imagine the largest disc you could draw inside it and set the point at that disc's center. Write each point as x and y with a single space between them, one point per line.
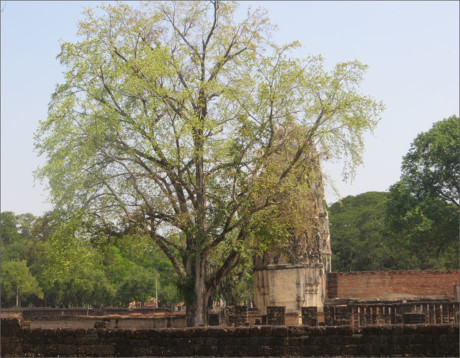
162 242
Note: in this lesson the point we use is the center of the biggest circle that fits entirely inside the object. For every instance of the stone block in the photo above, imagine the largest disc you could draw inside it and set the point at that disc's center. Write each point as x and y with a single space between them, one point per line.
413 318
216 331
99 350
213 319
276 315
235 315
309 316
66 350
278 331
292 319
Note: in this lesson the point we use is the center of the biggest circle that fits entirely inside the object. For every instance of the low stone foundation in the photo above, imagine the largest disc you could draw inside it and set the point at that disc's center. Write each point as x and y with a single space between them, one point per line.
31 313
396 340
360 314
112 322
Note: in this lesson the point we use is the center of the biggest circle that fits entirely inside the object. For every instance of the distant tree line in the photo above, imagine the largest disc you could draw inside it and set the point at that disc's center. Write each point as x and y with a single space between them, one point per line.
51 261
415 224
57 260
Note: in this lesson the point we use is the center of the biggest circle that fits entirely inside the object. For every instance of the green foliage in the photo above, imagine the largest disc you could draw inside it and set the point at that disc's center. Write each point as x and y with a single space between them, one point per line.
431 168
76 263
168 291
15 234
424 232
422 209
73 273
356 229
9 230
16 241
127 255
138 285
415 225
17 283
238 287
116 266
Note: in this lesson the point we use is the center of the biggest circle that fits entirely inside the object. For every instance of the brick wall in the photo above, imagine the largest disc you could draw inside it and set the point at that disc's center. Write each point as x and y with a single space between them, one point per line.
407 340
392 285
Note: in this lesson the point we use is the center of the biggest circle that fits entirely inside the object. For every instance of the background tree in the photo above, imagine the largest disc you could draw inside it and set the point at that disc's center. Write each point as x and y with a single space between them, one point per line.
167 119
237 288
138 285
15 234
72 274
126 254
422 209
75 262
18 285
431 167
356 228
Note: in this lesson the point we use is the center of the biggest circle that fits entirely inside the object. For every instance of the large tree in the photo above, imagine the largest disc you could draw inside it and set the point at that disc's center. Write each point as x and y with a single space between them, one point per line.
423 207
170 117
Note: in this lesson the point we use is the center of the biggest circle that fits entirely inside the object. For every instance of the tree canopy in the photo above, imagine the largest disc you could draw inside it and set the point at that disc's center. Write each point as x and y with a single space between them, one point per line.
431 168
171 118
17 283
422 209
15 235
356 227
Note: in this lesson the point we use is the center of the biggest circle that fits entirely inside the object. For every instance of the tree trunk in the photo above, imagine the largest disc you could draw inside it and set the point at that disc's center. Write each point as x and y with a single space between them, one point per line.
17 297
197 308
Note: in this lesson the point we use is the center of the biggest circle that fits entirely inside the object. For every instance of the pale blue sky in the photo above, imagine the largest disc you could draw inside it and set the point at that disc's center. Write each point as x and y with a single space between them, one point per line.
412 49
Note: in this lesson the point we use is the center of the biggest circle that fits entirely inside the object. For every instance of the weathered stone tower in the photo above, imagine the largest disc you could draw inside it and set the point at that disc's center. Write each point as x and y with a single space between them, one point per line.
294 276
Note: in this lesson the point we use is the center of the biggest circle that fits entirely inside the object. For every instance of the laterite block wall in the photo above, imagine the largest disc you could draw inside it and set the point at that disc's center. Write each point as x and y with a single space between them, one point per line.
413 340
392 285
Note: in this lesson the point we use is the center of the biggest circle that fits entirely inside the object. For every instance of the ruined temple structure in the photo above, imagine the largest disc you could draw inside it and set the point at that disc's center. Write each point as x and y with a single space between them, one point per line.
294 276
298 273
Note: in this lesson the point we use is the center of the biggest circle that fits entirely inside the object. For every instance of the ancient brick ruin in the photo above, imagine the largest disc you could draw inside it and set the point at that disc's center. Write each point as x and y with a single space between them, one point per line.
298 278
294 276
